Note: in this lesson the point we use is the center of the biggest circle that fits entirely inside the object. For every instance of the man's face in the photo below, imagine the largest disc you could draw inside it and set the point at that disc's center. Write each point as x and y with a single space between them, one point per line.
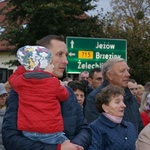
119 74
133 88
97 79
84 76
59 59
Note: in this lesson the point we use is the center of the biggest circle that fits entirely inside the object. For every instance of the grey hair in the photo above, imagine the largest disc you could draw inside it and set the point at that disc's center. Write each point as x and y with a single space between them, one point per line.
108 65
144 100
86 72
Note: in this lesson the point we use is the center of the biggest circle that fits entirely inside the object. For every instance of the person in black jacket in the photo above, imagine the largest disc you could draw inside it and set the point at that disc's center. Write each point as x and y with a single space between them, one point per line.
115 71
76 127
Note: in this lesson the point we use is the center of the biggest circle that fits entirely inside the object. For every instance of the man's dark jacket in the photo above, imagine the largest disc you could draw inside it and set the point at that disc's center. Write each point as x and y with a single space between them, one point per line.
76 127
131 113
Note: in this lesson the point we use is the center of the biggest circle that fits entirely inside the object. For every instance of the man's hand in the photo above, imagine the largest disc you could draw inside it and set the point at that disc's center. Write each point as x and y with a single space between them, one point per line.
66 145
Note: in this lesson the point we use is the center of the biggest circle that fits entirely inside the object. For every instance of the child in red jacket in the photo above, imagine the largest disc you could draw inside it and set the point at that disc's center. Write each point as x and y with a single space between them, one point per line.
40 94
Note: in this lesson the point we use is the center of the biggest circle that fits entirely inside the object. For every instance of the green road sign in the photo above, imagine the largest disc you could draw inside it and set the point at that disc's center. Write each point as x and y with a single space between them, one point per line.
88 53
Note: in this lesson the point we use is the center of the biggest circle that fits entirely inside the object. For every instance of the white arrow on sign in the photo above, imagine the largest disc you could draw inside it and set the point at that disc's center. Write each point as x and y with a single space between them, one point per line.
72 44
71 54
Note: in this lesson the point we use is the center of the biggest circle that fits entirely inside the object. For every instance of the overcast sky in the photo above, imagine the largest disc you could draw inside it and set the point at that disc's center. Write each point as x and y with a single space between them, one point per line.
101 4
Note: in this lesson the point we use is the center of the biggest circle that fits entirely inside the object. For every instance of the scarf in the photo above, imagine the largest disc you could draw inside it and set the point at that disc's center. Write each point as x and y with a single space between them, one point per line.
113 118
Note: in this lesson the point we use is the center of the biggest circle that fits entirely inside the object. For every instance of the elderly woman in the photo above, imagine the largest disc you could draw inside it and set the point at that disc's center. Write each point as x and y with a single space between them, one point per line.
109 130
145 107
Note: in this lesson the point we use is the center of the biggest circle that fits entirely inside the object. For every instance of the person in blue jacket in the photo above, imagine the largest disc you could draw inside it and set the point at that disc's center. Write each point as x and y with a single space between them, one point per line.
110 131
76 127
115 71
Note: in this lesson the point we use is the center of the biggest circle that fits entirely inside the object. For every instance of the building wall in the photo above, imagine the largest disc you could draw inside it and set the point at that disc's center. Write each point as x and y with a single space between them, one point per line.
6 57
5 70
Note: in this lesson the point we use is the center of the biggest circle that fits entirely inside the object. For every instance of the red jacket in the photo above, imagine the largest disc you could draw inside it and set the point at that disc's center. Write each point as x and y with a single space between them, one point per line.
145 115
40 95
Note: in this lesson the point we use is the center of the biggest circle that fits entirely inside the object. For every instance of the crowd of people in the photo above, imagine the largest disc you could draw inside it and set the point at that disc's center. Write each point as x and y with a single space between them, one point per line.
103 109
